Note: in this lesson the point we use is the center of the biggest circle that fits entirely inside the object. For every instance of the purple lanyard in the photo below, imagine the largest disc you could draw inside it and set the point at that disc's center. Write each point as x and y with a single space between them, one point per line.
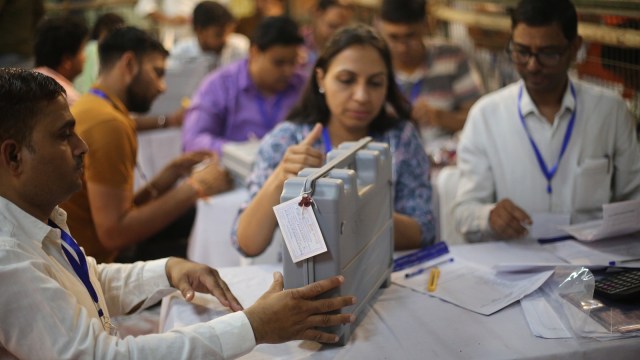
79 266
270 119
549 173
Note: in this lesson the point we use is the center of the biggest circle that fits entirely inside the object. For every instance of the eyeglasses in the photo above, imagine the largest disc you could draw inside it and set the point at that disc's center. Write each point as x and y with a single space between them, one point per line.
521 56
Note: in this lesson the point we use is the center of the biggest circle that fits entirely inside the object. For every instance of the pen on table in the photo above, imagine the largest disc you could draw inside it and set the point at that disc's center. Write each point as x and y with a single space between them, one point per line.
434 275
555 239
617 262
423 269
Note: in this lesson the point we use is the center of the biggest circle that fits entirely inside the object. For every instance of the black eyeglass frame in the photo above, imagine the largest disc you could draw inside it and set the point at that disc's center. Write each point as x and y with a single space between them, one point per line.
547 58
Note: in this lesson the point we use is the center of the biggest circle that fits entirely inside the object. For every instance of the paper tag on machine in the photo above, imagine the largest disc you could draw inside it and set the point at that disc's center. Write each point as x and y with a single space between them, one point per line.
300 228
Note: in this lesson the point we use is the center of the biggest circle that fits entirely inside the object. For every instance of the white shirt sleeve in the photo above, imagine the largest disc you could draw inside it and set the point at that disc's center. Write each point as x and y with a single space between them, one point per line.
42 318
476 189
627 155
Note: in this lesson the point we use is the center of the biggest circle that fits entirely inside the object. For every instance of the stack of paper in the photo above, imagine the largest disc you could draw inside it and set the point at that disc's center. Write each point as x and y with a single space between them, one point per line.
619 218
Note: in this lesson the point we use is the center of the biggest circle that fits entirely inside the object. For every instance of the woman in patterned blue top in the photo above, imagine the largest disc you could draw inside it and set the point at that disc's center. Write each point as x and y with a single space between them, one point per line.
351 95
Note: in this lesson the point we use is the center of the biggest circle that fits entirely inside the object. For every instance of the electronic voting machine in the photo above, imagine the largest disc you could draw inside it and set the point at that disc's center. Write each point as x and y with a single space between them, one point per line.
352 200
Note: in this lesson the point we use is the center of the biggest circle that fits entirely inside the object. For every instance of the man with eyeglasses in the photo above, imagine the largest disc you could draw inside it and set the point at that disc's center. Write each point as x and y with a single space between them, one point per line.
548 145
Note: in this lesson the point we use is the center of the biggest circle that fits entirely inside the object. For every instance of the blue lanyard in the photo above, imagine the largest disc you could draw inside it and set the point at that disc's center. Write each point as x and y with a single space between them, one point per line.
79 266
549 173
270 119
414 91
99 93
326 139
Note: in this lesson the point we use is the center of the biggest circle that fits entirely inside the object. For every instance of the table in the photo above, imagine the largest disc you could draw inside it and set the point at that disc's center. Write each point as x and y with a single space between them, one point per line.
210 241
403 324
156 148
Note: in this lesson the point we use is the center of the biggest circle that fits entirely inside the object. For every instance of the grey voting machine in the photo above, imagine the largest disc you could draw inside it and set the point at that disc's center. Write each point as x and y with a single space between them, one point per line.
352 200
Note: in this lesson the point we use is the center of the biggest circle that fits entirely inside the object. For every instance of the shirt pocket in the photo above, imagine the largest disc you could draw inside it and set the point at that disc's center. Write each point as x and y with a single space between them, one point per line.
593 184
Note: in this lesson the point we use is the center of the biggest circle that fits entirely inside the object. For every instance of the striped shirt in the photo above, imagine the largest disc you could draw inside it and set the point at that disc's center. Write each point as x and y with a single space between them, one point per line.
446 78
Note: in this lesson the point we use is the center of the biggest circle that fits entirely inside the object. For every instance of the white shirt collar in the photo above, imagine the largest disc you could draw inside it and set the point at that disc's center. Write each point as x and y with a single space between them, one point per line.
14 220
528 106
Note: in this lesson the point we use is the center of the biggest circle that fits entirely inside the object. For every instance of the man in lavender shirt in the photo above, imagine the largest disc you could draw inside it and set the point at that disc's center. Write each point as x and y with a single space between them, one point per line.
248 98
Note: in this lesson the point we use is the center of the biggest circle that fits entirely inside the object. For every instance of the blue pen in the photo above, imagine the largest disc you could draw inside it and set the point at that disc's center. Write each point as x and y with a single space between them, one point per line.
423 269
555 239
618 262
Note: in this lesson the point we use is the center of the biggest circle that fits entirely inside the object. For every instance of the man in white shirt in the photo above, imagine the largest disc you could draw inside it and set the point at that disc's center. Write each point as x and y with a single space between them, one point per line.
546 144
214 38
56 302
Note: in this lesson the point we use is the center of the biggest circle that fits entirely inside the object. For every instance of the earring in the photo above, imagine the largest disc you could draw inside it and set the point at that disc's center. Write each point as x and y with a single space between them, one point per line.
321 90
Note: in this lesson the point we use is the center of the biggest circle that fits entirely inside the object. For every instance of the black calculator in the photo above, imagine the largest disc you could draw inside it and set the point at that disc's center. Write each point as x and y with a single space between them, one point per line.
619 285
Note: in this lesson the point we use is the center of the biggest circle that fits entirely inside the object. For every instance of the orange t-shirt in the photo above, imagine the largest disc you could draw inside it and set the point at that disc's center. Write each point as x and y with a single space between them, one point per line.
110 134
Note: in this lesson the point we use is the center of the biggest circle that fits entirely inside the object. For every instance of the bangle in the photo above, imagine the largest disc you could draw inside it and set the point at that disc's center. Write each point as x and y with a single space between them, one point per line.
198 189
162 121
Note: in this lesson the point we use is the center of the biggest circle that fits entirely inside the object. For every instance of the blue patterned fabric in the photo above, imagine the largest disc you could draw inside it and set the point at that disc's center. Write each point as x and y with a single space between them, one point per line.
410 170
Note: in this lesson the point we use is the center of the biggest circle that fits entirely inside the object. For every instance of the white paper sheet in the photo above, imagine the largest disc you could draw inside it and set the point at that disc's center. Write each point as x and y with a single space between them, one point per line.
612 252
541 318
547 225
476 288
619 218
300 229
531 267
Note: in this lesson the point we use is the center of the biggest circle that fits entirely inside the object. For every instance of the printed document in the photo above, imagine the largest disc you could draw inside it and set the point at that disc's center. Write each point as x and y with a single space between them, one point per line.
619 218
300 229
476 288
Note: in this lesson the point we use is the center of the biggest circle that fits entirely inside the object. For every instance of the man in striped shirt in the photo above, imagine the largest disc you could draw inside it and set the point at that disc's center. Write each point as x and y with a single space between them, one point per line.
436 77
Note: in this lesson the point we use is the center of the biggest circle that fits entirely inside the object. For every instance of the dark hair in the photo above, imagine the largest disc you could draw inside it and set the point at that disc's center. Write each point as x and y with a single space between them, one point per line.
57 38
403 11
22 95
127 39
106 23
276 30
210 13
547 12
323 5
312 107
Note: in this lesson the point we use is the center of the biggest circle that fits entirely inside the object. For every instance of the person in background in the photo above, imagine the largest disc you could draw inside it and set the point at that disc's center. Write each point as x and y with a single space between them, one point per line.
104 25
62 301
19 18
351 94
170 16
327 18
248 98
547 144
262 9
107 215
436 77
214 38
59 51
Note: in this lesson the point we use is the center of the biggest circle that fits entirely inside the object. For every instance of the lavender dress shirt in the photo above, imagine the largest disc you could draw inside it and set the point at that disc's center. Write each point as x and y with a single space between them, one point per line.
227 107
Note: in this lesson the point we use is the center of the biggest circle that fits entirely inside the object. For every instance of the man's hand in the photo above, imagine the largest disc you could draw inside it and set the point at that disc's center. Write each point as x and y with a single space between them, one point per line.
279 316
212 178
183 164
189 277
176 118
507 220
300 156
